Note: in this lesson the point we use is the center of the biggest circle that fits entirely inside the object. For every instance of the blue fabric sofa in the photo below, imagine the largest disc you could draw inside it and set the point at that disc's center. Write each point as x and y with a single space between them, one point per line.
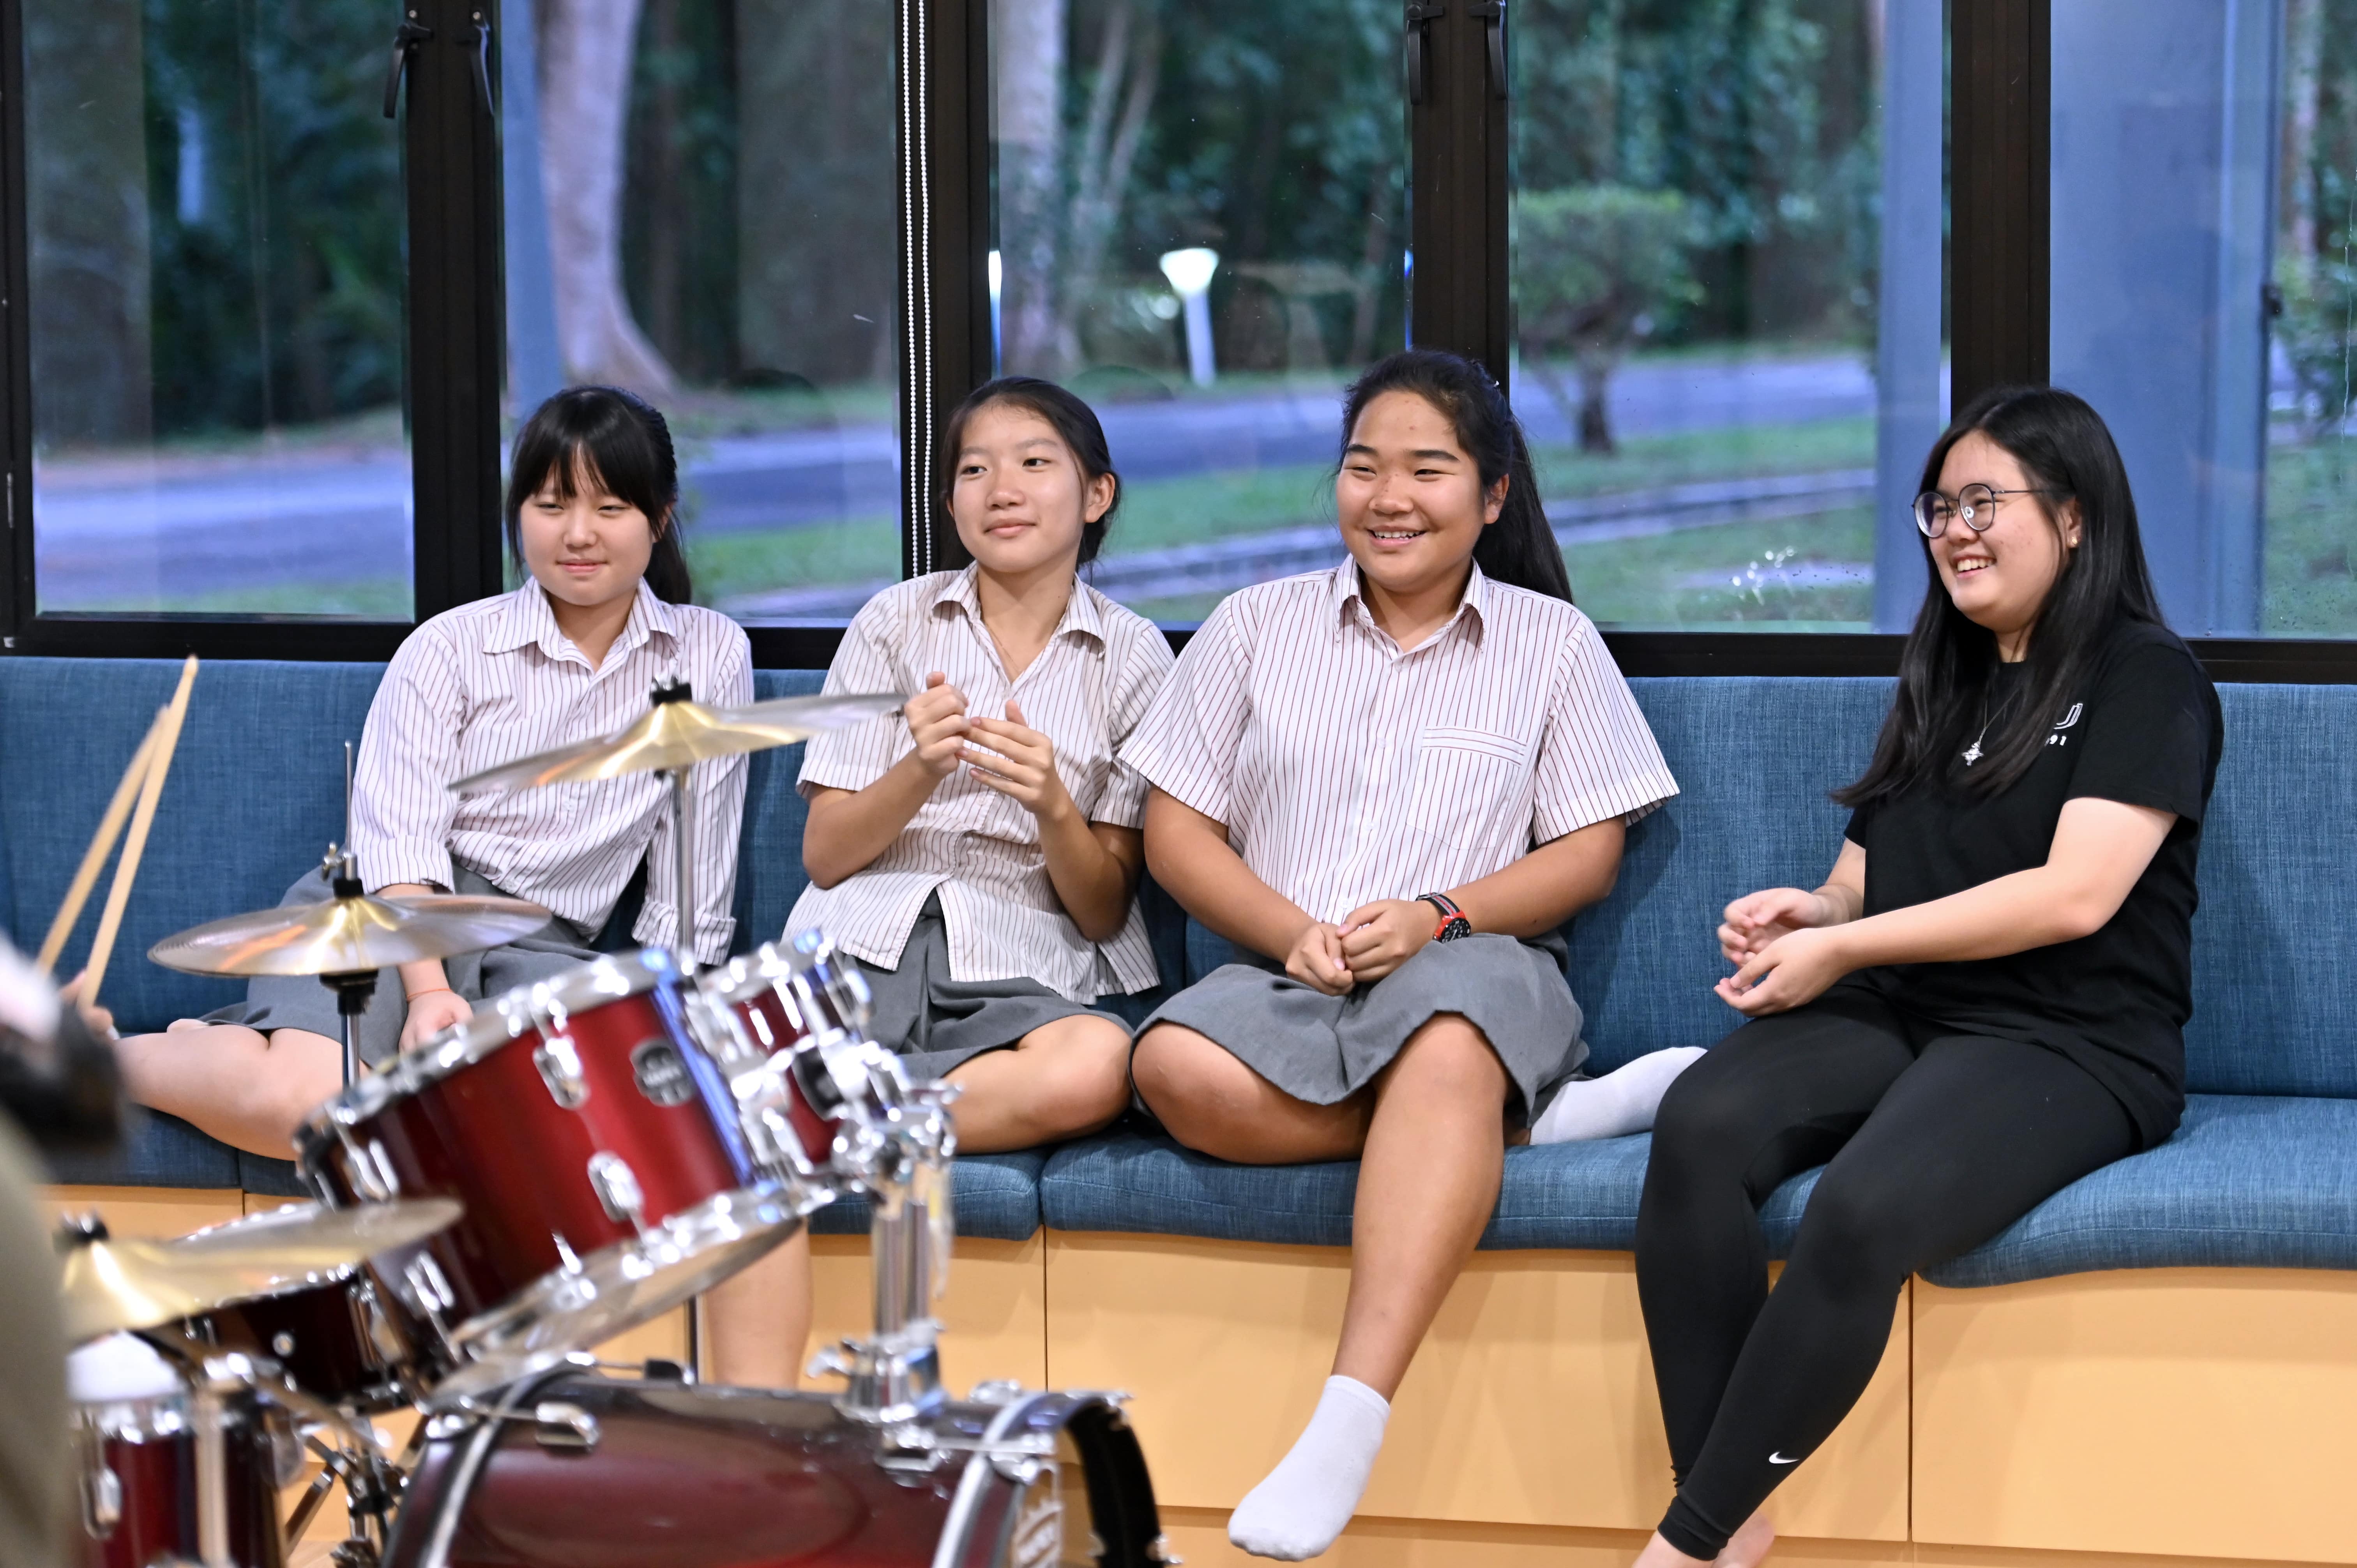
2263 1171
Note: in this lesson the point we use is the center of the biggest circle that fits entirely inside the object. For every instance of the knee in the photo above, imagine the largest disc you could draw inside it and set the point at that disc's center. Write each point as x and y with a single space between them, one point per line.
1183 1076
1700 1116
1447 1058
1086 1084
1852 1237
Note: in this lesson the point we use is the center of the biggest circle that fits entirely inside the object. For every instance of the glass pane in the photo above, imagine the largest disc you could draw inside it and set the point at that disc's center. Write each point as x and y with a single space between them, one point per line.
1199 225
702 210
214 203
1728 234
2204 166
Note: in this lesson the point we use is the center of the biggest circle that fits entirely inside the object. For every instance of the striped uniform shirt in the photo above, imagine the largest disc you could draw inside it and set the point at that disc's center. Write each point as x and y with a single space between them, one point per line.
496 680
978 848
1346 770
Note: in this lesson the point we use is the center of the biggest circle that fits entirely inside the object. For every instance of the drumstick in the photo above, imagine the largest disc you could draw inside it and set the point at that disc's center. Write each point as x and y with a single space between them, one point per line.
168 739
101 844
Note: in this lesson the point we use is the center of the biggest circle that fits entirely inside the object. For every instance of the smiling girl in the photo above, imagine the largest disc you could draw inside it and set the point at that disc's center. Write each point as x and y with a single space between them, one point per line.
1985 1000
1389 784
979 859
592 518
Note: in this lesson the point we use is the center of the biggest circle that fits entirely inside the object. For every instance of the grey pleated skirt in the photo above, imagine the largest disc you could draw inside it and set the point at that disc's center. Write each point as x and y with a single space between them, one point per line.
1325 1048
302 1003
935 1022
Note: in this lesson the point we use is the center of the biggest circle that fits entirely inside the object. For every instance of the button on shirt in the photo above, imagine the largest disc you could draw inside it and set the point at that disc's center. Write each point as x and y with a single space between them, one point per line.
496 680
979 849
1347 770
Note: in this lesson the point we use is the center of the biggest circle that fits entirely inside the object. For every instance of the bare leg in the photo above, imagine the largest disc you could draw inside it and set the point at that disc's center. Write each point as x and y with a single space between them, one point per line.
1427 1182
249 1089
757 1324
1062 1080
1215 1105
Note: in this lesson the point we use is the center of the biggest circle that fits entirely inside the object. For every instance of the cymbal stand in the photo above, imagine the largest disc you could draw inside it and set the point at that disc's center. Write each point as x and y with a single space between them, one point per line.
681 839
352 990
894 1374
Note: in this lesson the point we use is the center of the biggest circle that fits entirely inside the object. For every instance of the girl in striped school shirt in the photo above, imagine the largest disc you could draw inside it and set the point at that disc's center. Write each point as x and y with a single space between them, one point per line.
603 616
1389 785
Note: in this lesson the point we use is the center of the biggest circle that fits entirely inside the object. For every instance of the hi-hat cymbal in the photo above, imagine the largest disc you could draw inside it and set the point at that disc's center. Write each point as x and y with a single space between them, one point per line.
680 734
349 936
310 1239
113 1286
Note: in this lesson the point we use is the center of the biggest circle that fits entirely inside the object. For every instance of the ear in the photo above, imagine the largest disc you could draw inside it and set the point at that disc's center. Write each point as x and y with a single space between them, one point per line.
1099 499
1493 500
2072 524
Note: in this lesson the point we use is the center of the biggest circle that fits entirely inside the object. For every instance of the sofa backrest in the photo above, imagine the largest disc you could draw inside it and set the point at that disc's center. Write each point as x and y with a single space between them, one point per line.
256 789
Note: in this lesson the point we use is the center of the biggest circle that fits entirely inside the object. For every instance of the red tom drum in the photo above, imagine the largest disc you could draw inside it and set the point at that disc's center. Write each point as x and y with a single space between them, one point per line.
597 1149
805 1002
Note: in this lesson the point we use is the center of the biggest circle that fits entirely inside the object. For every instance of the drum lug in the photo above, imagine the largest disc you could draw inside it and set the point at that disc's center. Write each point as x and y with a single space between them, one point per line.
996 1391
617 1187
560 1068
910 1449
558 1424
102 1502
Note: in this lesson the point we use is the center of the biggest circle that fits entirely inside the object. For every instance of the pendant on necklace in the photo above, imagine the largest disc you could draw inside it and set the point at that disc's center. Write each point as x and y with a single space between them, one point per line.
1971 753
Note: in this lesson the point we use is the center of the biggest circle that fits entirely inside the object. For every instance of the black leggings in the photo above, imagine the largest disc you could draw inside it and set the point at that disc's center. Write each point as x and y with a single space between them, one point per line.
1936 1142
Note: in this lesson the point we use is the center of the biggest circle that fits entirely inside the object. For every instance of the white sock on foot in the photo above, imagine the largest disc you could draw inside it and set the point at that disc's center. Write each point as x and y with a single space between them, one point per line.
1615 1105
1304 1503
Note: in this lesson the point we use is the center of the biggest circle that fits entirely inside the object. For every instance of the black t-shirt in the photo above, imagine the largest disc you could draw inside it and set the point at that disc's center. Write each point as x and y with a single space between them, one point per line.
2146 732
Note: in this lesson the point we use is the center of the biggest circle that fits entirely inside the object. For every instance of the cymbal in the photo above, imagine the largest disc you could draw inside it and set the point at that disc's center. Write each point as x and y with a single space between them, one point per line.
311 1238
113 1285
680 734
349 936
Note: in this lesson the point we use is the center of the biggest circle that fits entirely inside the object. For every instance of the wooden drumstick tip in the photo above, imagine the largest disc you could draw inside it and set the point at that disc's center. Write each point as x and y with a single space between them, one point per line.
126 871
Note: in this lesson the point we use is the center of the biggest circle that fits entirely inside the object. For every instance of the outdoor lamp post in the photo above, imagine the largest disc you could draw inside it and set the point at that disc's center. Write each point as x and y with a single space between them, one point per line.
1190 271
998 346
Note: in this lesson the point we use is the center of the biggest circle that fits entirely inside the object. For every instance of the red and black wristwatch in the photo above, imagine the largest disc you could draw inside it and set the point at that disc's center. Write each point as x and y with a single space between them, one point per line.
1453 923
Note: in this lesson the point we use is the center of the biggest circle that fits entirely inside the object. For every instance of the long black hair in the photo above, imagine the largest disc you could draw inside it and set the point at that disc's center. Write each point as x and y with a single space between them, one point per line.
615 439
1519 548
1075 424
1948 668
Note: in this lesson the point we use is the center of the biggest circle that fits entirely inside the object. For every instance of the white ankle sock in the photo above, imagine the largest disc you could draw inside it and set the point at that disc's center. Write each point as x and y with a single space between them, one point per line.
1615 1105
1304 1503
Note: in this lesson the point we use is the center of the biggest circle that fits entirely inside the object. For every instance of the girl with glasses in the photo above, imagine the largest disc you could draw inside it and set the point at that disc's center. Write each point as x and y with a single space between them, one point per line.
1985 1000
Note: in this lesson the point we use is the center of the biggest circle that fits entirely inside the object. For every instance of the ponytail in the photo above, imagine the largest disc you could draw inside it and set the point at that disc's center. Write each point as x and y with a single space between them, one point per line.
1520 548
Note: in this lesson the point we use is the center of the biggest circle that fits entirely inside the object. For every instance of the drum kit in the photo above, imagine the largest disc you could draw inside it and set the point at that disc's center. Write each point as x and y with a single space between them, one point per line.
583 1155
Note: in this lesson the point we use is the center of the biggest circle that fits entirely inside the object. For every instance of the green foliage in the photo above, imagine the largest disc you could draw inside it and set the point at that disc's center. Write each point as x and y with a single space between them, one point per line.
2318 329
1599 265
277 292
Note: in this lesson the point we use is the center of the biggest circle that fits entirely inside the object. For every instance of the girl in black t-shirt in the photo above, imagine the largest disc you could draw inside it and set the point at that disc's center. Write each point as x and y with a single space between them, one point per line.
1982 1004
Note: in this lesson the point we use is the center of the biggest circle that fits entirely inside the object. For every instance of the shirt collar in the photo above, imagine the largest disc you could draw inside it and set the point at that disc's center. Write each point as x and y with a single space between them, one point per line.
1348 603
1080 612
525 621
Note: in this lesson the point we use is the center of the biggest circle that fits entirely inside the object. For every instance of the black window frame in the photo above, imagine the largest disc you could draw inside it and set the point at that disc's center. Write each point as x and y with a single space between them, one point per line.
1459 152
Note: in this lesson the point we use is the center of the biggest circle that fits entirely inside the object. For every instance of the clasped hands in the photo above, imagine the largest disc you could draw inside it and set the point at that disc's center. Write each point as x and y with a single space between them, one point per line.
1007 755
1370 941
1786 948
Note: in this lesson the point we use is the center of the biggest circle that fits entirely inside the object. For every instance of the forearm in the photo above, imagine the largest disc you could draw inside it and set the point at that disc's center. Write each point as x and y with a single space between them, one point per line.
848 829
1189 856
427 974
1090 882
1546 886
2031 908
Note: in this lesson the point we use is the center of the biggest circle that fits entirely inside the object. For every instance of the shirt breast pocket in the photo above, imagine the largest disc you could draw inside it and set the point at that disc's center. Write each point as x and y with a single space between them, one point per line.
1468 782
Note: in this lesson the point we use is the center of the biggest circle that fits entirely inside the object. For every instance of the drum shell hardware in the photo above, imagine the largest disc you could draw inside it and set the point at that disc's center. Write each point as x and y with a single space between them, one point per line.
139 1466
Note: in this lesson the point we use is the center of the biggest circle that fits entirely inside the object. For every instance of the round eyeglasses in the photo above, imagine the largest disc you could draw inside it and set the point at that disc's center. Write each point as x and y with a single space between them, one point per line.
1976 504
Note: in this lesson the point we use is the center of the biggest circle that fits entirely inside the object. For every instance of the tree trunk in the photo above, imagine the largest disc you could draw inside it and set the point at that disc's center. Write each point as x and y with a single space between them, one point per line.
1031 53
585 50
1595 408
1129 69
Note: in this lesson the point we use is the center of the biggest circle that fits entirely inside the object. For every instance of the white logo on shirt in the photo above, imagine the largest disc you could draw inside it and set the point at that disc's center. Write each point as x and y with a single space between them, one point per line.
2057 737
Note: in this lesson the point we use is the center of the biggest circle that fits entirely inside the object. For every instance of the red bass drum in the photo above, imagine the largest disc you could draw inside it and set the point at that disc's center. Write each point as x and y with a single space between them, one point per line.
594 1472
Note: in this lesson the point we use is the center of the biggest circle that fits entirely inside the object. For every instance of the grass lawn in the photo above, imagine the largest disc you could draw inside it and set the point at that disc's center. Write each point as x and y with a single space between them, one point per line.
2311 579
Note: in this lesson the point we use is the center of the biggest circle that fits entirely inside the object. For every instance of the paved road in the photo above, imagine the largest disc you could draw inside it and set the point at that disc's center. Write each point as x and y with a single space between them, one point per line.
112 538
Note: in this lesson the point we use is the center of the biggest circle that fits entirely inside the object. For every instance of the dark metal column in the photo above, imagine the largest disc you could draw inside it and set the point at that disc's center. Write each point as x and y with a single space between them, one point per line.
1999 136
1456 78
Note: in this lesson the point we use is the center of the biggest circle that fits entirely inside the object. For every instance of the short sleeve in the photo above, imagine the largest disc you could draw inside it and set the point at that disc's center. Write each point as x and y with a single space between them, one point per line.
1186 746
402 810
2147 734
1146 668
1861 822
1597 757
856 755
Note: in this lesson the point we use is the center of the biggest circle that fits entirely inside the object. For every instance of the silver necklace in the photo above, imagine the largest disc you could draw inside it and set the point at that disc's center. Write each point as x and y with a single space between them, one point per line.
1973 753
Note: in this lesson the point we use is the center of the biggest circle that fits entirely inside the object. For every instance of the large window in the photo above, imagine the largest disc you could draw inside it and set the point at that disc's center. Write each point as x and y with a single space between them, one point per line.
1714 329
213 233
1199 223
699 206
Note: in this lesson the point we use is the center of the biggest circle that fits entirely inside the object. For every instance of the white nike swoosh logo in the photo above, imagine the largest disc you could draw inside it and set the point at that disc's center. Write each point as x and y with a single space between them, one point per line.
1780 1459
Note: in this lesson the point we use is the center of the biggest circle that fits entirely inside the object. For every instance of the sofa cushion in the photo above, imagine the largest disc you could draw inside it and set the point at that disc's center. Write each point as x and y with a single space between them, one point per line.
1580 1197
2247 1181
156 1150
995 1196
255 796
